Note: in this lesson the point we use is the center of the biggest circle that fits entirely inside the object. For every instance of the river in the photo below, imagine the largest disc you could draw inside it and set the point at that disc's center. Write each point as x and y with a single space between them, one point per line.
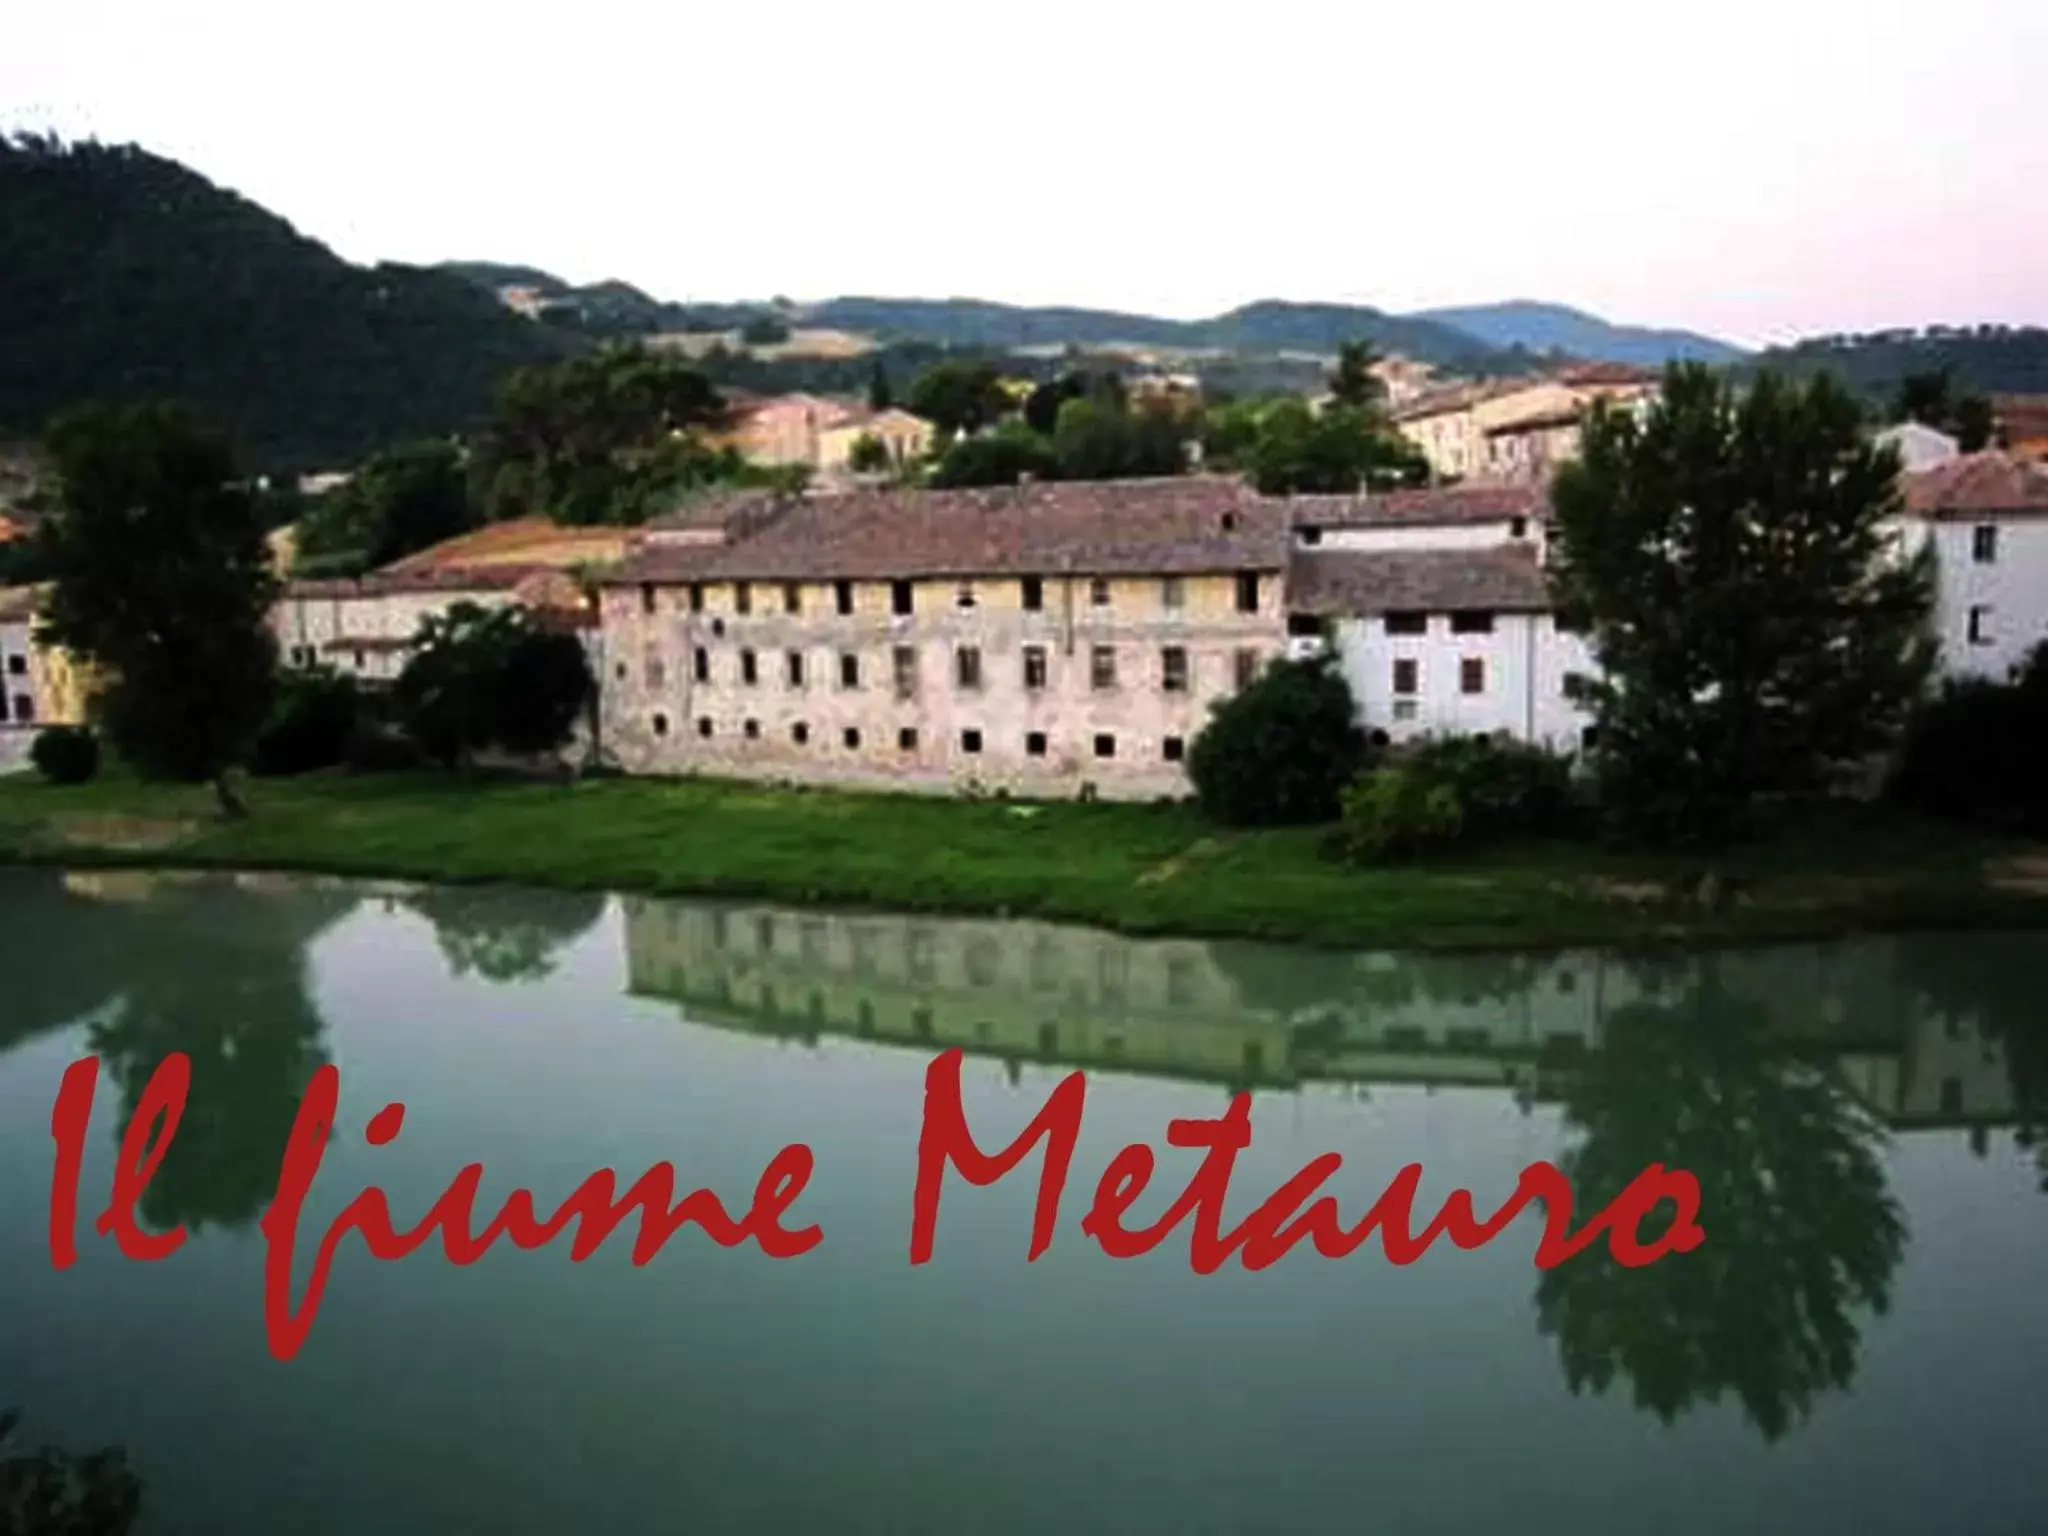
1861 1342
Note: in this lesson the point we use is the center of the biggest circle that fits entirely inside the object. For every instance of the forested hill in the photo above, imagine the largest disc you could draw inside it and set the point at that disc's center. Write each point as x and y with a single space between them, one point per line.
124 275
1985 359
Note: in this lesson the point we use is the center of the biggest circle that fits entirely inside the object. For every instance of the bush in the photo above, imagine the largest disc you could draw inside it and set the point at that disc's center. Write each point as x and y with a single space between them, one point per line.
374 748
1458 789
66 754
310 724
1978 752
1280 752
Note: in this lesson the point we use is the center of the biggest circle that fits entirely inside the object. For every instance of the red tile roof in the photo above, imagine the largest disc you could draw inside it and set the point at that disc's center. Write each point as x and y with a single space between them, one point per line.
1992 481
1341 582
1437 506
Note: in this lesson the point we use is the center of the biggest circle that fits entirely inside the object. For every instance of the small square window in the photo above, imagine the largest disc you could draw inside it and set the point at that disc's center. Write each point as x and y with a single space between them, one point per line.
1033 593
704 726
1980 625
842 597
1172 593
1407 623
1034 668
1518 527
1311 537
1105 746
1984 543
1173 749
1406 675
1034 744
660 724
1173 669
970 742
1471 622
849 670
907 738
899 597
1304 626
743 597
751 730
1102 668
1404 709
1472 675
965 597
800 733
1098 592
851 736
792 597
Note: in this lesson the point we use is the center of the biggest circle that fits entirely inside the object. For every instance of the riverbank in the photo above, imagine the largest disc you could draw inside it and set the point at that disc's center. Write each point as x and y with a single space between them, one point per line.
1138 869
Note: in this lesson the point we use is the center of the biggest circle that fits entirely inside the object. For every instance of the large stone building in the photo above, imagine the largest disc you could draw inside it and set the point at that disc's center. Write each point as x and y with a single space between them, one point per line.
1034 639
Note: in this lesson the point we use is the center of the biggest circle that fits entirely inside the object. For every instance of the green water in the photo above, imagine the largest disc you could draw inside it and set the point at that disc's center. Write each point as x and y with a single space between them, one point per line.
1860 1344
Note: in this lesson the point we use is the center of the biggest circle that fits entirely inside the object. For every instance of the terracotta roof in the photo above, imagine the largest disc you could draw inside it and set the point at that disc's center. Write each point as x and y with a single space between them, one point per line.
1593 375
508 538
1976 483
480 578
1543 421
1458 397
1186 524
1436 506
709 509
1353 582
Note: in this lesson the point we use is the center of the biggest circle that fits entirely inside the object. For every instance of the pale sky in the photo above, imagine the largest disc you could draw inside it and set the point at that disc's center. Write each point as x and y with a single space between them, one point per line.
1757 169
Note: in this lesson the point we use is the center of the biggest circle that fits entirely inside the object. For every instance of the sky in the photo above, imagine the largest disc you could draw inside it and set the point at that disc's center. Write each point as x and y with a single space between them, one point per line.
1756 169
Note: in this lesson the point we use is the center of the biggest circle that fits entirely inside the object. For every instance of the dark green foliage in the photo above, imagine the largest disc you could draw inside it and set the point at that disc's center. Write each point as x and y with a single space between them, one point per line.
544 690
1339 449
1987 359
1001 457
1457 791
311 723
403 500
1042 405
1100 437
881 393
1353 383
1229 433
490 678
162 582
130 278
1978 752
765 331
1729 555
1932 399
869 455
1280 752
66 754
959 396
47 1492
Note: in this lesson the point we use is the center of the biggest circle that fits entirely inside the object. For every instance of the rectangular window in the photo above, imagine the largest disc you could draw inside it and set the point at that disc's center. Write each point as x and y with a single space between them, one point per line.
704 726
851 736
1244 669
751 730
1102 667
792 597
1471 622
793 668
743 597
1518 527
750 668
24 709
1105 746
1405 675
1984 543
1098 592
903 670
696 597
1172 593
1034 744
647 597
1033 593
1248 592
967 667
800 733
965 597
657 675
1980 625
1173 669
1304 626
1173 749
1311 537
906 738
849 670
1404 709
1472 675
1034 668
700 664
899 597
842 597
970 742
1407 623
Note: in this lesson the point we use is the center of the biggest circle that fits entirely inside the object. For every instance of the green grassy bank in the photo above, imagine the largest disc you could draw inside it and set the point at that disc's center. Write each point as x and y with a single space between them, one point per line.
1140 869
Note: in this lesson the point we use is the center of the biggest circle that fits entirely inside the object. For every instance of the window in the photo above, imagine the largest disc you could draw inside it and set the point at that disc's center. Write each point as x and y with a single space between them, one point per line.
907 738
849 670
1589 738
1172 593
1568 621
1244 668
1472 622
618 669
792 597
1984 543
359 661
903 669
899 597
1407 623
1173 749
1980 625
851 736
1311 537
1472 675
700 665
750 668
1518 527
1304 626
660 724
965 597
696 597
1572 682
743 597
1405 671
800 733
1034 744
1033 593
657 674
704 726
647 597
1102 667
967 667
1248 592
1404 709
1173 669
1034 668
1098 592
842 597
751 730
1105 746
793 668
970 742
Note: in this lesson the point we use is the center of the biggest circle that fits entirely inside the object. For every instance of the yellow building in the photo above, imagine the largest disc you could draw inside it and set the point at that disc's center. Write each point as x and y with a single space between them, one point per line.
39 684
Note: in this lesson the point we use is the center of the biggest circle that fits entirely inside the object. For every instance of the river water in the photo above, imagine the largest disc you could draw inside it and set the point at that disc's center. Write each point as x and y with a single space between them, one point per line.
1861 1342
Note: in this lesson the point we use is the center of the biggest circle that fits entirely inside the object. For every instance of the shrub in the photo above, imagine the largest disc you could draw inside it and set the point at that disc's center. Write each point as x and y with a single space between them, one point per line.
1397 811
310 724
66 754
1978 752
374 748
1281 751
1458 789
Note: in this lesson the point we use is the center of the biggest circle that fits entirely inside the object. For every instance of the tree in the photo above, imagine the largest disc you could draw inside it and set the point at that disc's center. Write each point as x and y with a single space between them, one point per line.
1001 457
1978 751
1354 383
482 678
869 455
1280 751
1930 397
503 933
765 331
1098 437
48 1492
1298 451
403 500
1042 405
957 396
1729 555
1229 432
881 395
162 585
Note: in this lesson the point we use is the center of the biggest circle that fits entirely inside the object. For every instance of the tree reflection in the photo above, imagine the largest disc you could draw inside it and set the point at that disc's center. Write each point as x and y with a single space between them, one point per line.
47 1492
505 934
1801 1231
64 953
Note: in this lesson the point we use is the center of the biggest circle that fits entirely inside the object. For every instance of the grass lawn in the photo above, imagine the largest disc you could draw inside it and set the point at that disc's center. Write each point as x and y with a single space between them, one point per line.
1141 869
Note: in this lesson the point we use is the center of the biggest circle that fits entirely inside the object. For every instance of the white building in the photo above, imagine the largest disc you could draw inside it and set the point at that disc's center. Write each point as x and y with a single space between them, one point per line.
1920 447
1986 517
365 627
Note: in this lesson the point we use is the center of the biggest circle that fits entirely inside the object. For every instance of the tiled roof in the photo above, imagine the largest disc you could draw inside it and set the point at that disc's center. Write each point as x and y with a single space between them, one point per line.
1542 421
1595 375
1458 397
506 540
1186 524
1437 506
1978 482
480 578
1352 582
709 509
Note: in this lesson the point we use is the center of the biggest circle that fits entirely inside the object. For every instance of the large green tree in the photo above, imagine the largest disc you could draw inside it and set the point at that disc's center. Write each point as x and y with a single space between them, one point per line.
405 499
163 585
1352 382
495 677
1337 450
1729 552
1281 750
958 396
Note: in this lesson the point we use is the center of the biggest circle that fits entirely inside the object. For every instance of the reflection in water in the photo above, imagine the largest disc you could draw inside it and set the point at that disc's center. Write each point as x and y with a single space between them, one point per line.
1801 1231
503 933
47 1492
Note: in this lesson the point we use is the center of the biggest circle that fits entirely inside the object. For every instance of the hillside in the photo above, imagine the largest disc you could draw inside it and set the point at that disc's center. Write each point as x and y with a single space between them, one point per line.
1559 328
128 276
1988 359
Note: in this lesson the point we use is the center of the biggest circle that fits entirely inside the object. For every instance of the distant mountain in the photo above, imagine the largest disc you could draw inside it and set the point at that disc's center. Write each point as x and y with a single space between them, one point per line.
1985 359
497 274
125 276
1558 328
605 309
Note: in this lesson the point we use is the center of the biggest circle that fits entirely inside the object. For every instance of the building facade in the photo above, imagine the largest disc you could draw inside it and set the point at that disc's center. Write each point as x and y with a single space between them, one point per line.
1985 517
366 627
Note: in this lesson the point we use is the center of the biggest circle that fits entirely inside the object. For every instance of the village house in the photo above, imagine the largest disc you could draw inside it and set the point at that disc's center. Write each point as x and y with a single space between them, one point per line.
819 434
1516 429
1919 447
1985 515
2022 424
1041 640
40 684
